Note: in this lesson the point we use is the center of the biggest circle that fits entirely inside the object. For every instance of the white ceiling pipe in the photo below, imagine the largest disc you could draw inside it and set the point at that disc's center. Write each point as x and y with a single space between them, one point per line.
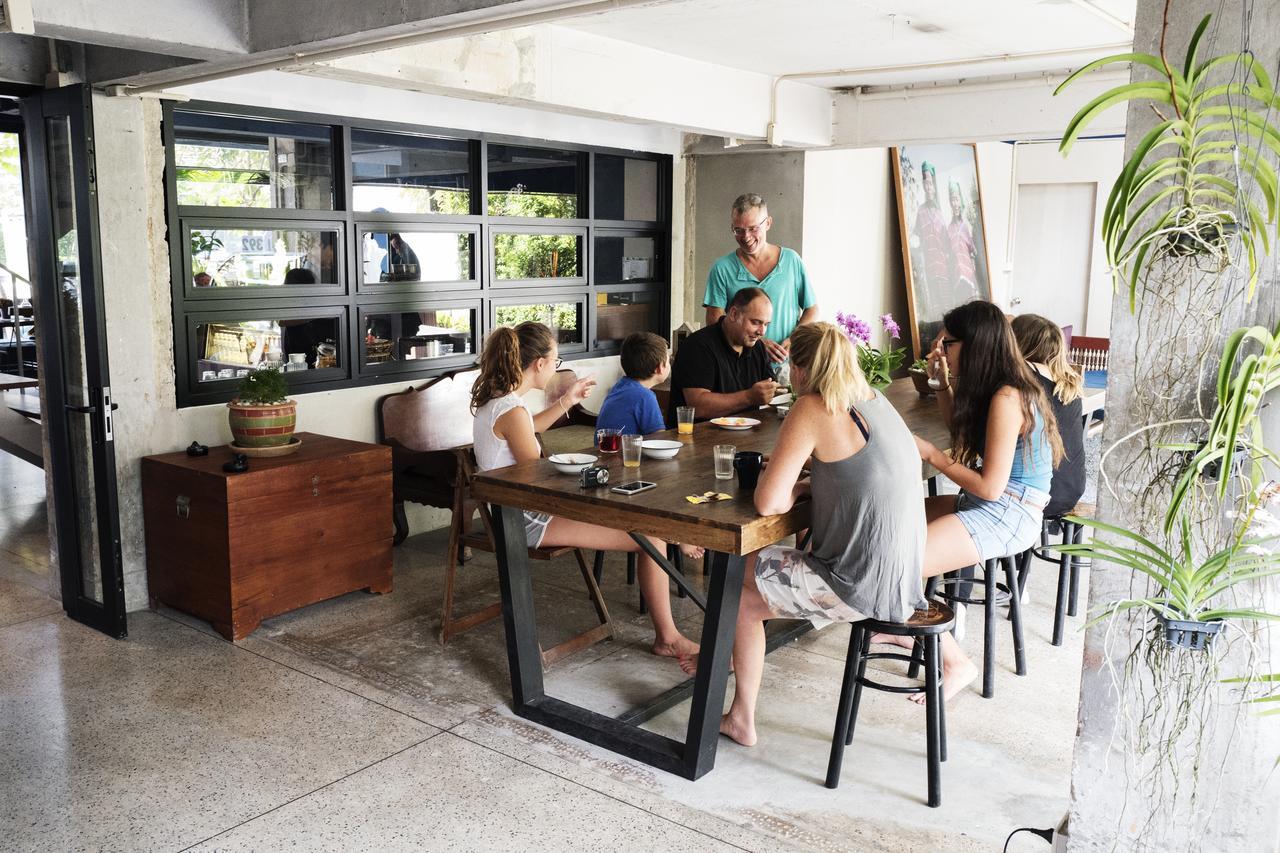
283 62
771 132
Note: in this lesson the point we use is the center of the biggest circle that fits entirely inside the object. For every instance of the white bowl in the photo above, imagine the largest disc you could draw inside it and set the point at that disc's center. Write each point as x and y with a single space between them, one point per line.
571 463
657 448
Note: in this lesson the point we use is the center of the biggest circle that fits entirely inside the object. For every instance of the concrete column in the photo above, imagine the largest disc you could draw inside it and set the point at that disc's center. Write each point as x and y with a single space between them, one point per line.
1225 796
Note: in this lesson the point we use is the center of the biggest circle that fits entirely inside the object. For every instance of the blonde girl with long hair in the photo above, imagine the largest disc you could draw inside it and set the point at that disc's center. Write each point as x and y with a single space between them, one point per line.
868 522
514 362
1042 345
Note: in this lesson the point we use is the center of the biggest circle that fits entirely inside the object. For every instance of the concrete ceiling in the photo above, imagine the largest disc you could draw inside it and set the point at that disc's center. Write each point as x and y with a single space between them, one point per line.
779 38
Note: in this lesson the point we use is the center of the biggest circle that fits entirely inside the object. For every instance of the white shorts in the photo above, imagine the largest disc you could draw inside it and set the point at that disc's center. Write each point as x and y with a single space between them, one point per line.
794 591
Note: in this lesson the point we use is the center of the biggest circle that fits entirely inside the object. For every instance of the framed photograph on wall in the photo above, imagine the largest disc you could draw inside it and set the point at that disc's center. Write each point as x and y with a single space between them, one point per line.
944 245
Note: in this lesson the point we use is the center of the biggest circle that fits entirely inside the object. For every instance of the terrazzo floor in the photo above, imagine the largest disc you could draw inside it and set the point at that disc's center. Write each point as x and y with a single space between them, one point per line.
346 726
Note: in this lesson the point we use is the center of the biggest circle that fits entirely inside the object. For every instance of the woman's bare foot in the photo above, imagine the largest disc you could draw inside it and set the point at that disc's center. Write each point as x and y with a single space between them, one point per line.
893 640
954 679
737 730
689 663
678 647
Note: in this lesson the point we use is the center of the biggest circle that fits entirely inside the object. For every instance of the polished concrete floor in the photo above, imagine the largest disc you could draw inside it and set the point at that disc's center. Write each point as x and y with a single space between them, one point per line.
346 725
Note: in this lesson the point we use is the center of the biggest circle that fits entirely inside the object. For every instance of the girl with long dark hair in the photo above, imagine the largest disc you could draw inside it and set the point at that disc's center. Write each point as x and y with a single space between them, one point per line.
1004 446
514 362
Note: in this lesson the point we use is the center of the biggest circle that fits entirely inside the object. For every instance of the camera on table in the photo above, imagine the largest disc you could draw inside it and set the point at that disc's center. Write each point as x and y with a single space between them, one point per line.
593 477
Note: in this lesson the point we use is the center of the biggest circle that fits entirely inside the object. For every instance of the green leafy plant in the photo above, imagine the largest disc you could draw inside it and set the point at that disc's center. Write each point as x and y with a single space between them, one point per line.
920 364
1180 193
264 387
877 365
1188 587
1236 428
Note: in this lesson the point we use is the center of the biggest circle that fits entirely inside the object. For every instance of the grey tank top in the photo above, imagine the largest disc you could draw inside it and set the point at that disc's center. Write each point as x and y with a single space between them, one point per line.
868 519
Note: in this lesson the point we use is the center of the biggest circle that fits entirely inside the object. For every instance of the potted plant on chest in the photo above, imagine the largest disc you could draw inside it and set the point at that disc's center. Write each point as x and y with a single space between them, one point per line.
262 418
919 371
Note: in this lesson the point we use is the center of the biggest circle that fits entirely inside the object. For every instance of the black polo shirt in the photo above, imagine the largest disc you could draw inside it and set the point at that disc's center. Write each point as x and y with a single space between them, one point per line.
706 360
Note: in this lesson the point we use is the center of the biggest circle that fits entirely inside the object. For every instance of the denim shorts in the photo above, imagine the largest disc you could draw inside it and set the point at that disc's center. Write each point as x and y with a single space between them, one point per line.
1007 525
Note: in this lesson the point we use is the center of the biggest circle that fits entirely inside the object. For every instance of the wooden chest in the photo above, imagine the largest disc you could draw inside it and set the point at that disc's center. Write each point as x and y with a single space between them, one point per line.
235 549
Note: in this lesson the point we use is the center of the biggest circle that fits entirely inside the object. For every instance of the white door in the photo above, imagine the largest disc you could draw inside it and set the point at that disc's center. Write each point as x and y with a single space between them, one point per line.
1053 252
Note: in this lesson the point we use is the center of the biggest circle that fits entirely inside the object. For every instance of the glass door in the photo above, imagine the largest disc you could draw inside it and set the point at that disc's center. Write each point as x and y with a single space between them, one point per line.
77 408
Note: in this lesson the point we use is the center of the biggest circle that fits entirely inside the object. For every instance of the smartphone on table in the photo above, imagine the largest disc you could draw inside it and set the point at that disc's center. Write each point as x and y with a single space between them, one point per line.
633 488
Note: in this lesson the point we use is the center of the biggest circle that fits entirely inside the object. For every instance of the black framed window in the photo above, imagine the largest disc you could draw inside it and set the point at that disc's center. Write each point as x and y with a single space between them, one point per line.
376 251
401 173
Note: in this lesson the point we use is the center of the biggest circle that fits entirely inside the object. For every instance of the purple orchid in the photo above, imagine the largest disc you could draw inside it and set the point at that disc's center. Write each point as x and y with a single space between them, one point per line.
891 326
857 330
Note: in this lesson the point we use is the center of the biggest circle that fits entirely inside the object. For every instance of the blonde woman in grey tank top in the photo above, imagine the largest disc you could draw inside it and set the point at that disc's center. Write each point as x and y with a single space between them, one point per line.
867 548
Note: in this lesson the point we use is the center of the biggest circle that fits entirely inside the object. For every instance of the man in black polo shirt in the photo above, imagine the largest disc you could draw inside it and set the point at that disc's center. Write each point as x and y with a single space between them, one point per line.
723 369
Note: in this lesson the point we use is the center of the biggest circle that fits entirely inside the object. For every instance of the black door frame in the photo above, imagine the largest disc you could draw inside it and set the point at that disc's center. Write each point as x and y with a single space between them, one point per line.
75 103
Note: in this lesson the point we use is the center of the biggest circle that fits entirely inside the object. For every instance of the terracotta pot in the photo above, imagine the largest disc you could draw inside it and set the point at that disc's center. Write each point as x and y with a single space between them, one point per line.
921 380
262 426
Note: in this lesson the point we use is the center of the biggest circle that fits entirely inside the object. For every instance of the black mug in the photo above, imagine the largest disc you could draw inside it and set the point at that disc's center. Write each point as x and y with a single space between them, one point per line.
748 464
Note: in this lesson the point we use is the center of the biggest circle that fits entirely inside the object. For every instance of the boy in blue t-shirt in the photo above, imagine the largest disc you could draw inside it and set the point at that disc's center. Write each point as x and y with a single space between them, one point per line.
631 405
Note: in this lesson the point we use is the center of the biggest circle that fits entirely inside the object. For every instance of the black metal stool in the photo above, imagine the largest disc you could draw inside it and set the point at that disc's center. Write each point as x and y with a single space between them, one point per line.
1068 566
988 602
925 627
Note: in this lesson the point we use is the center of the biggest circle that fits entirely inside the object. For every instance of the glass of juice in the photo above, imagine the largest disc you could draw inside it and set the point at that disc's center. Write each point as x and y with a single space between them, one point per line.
684 420
631 450
607 440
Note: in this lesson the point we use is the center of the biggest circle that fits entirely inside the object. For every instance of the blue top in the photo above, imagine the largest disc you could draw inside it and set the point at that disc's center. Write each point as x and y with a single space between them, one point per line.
786 284
1034 469
632 408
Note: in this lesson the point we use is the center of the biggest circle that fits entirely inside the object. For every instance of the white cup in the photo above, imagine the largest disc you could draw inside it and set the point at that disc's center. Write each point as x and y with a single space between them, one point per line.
297 358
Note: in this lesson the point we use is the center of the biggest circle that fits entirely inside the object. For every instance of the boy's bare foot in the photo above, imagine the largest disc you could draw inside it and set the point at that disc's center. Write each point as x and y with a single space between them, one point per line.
679 647
954 679
693 552
736 730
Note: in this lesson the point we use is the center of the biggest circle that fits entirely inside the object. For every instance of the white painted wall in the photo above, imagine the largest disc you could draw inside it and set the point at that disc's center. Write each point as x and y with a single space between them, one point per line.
851 247
135 265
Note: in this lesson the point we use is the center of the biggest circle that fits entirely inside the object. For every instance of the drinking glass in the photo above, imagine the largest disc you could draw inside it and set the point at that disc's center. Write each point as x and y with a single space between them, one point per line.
607 440
684 420
631 450
724 461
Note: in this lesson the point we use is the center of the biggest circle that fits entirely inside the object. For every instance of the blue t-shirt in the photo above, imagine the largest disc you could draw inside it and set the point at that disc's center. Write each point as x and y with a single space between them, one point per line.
787 286
632 408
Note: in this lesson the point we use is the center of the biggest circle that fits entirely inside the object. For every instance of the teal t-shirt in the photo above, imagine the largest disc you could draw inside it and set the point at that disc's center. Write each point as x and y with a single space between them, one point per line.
787 286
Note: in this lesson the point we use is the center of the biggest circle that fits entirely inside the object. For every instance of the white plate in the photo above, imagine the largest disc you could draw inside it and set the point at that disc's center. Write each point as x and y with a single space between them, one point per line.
571 463
735 423
781 400
657 448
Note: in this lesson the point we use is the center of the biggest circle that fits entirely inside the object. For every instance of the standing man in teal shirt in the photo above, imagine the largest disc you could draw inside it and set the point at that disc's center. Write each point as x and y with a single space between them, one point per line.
756 262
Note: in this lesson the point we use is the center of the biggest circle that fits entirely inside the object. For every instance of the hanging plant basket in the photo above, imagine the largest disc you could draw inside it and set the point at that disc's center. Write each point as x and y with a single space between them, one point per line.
1189 634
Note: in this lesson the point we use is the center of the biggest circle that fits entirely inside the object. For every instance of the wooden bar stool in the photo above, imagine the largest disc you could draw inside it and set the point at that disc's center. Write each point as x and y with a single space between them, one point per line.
925 627
988 602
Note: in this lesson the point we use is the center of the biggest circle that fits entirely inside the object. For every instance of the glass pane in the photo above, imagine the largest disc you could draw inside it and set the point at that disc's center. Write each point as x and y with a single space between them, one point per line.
225 161
622 259
524 256
75 370
626 188
229 349
534 182
263 257
17 336
410 174
620 314
414 335
563 318
401 256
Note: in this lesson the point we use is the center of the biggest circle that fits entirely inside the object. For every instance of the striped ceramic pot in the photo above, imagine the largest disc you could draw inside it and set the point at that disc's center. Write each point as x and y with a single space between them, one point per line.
262 426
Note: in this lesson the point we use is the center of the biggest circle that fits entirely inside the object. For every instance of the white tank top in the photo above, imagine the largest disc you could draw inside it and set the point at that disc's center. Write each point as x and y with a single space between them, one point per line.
491 451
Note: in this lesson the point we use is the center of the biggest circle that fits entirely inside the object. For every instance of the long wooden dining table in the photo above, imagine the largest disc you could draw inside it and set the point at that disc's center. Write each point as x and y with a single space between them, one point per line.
729 529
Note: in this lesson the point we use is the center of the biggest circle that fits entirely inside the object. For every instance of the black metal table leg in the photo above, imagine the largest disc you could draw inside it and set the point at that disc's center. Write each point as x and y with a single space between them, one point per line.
716 647
516 584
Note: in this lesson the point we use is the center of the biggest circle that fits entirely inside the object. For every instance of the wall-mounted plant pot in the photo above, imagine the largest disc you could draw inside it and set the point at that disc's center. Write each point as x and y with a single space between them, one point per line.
1188 634
920 379
1208 234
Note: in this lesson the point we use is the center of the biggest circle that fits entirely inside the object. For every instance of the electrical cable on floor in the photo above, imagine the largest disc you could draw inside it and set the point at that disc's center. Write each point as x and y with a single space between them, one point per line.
1046 834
